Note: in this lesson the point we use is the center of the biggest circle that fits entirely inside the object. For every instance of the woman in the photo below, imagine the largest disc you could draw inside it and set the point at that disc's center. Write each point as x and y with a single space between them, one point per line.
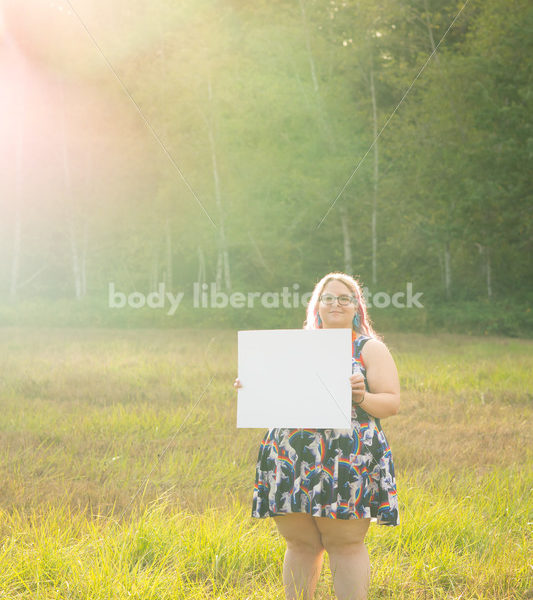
324 486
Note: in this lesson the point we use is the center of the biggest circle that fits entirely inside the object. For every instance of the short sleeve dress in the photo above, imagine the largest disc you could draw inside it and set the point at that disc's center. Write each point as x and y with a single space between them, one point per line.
335 473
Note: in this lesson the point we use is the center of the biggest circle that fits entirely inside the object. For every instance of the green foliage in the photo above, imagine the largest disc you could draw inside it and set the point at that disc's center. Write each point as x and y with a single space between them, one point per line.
278 95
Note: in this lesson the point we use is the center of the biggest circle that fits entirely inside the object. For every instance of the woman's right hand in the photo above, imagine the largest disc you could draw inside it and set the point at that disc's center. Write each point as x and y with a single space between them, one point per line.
237 384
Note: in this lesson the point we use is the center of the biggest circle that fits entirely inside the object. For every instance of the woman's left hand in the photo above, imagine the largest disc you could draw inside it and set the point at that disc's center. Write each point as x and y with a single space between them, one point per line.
357 383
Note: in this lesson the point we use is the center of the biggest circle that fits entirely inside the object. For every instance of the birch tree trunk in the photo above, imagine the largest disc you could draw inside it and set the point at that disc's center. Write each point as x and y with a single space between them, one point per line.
461 129
323 123
15 260
76 271
16 255
223 265
430 31
19 154
83 265
68 199
486 270
154 271
461 132
489 272
447 270
85 227
376 180
169 265
348 268
308 46
201 267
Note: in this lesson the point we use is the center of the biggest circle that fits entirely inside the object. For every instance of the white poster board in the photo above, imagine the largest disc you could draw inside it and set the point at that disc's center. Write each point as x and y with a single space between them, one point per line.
295 378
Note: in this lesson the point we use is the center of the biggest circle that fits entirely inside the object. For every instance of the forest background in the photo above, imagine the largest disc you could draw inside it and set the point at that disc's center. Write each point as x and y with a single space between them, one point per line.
155 147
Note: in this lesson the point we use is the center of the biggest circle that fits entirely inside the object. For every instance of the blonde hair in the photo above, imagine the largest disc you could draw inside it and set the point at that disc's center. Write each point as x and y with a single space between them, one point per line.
365 324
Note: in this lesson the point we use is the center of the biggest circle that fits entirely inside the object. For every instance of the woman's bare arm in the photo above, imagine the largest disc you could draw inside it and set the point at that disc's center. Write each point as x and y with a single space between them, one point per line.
383 398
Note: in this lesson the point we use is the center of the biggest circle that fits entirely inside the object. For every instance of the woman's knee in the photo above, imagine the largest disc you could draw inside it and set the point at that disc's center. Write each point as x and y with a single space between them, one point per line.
343 536
300 532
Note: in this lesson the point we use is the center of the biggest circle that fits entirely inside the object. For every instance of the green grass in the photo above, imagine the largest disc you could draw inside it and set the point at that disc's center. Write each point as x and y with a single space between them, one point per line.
87 416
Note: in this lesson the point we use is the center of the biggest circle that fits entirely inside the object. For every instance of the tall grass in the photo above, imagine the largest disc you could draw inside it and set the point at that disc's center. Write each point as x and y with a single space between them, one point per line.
87 415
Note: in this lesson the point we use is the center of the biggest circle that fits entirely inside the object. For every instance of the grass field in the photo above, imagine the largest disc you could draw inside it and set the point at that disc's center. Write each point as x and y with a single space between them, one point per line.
123 475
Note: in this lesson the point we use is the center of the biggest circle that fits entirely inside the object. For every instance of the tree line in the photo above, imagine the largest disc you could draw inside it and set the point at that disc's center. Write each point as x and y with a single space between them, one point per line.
255 145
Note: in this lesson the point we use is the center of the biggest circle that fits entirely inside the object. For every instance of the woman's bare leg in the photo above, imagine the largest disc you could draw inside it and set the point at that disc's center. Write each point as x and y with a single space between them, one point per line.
303 557
348 556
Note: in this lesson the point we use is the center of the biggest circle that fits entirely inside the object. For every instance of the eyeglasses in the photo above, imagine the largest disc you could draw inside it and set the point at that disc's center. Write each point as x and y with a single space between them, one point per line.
343 300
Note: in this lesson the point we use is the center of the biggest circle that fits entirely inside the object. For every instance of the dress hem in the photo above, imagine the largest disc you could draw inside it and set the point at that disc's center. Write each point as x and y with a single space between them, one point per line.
351 517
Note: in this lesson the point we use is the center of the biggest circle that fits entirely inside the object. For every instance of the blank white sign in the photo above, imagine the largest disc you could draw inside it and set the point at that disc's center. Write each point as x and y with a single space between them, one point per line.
295 378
